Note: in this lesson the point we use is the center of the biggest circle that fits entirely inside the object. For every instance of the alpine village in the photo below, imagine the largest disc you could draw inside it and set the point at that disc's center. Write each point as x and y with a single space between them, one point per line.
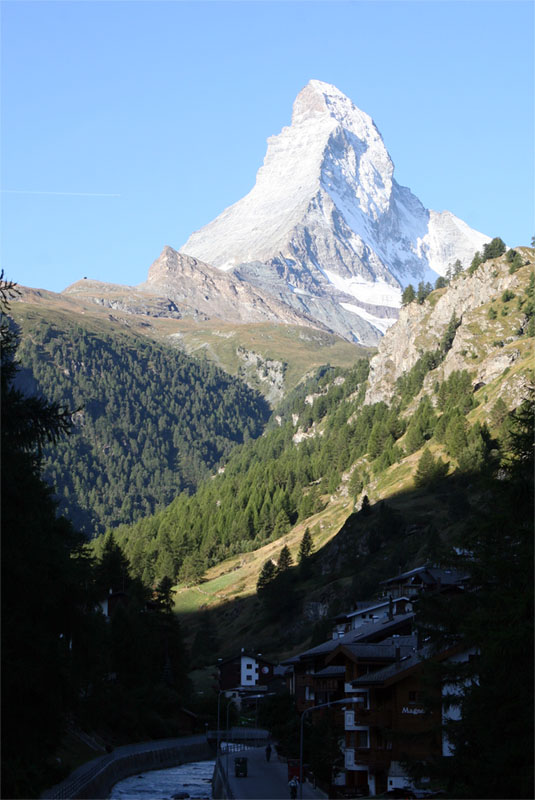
253 506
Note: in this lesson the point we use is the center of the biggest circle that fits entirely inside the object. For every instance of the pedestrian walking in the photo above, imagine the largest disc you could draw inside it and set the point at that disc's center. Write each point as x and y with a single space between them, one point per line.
268 752
293 788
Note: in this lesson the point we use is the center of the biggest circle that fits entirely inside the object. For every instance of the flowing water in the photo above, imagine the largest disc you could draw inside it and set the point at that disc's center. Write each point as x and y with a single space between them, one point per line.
189 780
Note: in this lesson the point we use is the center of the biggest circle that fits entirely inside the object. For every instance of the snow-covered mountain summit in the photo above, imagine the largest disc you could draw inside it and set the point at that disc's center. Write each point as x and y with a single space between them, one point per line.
326 228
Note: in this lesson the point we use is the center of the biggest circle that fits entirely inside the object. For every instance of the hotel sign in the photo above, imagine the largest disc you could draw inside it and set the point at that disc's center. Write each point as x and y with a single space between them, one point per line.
413 710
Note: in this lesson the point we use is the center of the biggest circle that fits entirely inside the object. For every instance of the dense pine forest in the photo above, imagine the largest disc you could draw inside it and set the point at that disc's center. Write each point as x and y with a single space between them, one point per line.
150 422
321 431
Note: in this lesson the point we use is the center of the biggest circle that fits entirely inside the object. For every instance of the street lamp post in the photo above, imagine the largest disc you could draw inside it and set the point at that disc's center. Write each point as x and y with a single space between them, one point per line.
221 691
232 700
256 697
345 701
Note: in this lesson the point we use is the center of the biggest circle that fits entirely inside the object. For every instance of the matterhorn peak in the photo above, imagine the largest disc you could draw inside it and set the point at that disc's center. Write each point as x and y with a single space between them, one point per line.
326 227
320 98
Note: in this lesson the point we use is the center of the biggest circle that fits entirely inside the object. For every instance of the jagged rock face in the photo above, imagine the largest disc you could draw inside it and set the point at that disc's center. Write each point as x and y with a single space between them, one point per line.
327 229
420 328
196 286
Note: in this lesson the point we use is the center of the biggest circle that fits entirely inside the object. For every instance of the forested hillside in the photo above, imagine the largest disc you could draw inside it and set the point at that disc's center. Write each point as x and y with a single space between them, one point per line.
150 422
324 441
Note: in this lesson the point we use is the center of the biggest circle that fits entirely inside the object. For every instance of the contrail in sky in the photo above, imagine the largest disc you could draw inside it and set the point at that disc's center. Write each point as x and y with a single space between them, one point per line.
67 194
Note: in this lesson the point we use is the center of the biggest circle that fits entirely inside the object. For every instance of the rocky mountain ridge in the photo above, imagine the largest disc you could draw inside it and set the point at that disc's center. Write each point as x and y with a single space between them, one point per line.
326 238
179 286
327 228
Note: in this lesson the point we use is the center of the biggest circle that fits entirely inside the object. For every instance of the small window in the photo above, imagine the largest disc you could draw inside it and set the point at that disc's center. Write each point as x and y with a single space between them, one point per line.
362 739
413 696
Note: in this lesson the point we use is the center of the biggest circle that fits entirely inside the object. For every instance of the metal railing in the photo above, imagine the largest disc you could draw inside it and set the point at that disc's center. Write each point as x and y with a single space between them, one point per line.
126 761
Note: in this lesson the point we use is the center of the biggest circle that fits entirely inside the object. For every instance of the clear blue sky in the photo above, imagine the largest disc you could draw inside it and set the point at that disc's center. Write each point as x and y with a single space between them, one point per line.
169 104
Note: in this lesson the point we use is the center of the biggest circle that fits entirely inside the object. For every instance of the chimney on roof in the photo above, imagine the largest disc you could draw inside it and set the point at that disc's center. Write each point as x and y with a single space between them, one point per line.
390 608
398 655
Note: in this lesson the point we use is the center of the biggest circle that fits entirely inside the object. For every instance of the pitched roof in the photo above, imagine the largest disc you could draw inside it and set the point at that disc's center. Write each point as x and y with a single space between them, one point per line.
330 672
372 630
370 605
407 661
429 575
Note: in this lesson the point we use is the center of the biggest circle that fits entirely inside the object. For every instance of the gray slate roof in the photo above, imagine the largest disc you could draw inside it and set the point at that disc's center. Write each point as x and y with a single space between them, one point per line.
330 672
429 575
353 637
406 662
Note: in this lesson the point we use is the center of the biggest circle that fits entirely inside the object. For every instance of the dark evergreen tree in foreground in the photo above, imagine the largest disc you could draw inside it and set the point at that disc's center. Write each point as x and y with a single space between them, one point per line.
60 660
43 577
492 740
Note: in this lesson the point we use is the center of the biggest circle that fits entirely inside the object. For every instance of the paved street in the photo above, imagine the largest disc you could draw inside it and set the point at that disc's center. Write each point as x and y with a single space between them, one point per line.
264 781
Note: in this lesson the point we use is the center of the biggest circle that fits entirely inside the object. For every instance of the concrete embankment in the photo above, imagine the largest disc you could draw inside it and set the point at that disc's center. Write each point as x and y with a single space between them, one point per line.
94 780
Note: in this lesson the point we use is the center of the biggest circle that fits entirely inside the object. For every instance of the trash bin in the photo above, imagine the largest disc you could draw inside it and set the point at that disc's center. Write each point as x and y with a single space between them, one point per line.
240 767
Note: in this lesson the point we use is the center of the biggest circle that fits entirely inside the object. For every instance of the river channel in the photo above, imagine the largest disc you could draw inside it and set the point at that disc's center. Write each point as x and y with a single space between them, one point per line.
192 780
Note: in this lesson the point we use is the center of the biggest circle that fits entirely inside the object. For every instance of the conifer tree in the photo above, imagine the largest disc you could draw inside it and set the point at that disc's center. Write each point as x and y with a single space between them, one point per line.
449 333
494 248
266 577
475 263
429 470
112 570
306 547
285 559
408 295
421 293
365 506
163 594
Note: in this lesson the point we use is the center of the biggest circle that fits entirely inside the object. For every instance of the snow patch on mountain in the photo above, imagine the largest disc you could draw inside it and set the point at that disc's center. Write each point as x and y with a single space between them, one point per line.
378 292
381 323
326 212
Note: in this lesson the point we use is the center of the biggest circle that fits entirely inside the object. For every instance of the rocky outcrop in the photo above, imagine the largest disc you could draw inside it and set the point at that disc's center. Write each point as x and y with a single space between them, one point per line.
478 343
190 282
255 369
